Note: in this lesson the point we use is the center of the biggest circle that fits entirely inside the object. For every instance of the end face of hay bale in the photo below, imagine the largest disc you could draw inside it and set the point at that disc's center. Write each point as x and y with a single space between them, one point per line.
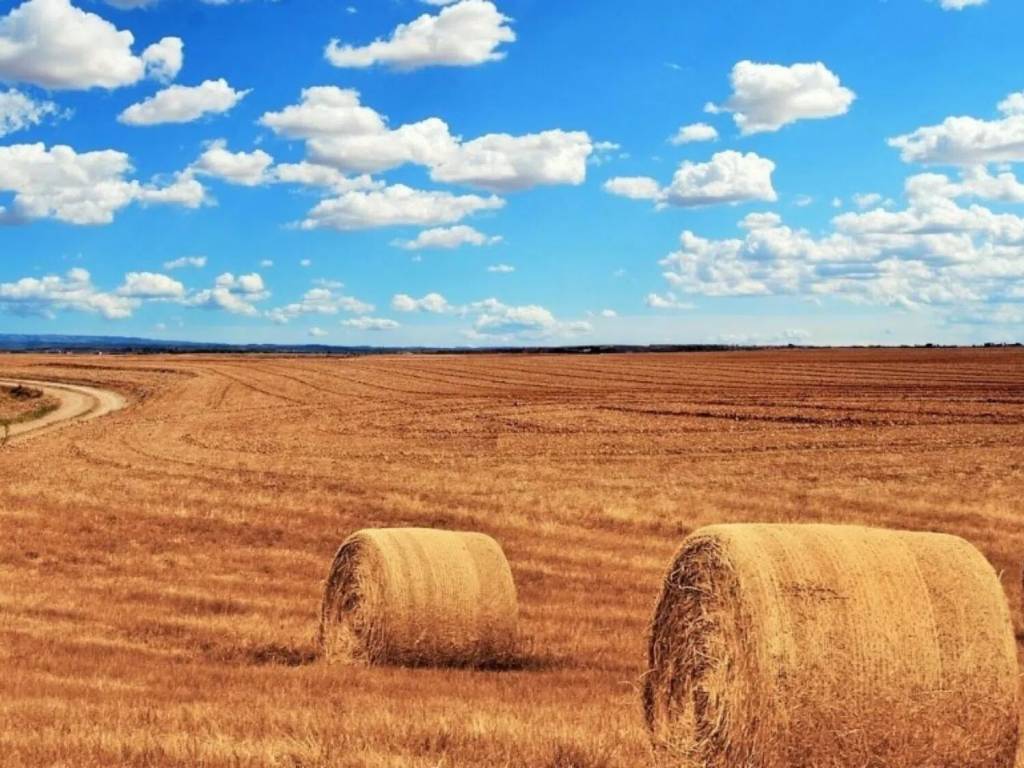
809 645
418 596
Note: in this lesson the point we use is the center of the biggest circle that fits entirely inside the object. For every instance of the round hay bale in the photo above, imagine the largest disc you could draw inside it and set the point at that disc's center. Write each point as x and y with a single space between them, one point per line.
784 646
417 596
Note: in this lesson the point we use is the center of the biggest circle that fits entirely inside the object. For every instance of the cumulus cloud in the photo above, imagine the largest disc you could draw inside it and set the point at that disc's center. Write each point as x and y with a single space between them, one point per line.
395 205
728 178
370 324
323 300
462 34
501 269
505 163
248 169
968 140
53 44
150 285
312 175
495 319
634 187
935 252
1012 104
73 291
81 188
765 97
433 303
696 132
19 111
186 261
448 238
492 319
183 104
163 60
237 295
342 133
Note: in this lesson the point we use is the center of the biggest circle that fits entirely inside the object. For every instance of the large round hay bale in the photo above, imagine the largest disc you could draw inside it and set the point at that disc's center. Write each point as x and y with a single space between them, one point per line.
793 646
419 597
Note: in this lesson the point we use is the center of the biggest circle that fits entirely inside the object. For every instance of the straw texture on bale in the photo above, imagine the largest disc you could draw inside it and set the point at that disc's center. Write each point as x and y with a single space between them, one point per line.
417 596
792 646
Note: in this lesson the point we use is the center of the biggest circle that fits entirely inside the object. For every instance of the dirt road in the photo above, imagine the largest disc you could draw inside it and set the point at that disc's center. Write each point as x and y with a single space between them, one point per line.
77 403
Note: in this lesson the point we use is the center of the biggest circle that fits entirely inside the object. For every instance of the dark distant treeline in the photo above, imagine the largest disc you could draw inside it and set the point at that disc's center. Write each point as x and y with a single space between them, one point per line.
137 346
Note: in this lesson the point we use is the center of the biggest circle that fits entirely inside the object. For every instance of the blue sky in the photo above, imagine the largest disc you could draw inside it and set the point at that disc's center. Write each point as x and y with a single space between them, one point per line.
519 171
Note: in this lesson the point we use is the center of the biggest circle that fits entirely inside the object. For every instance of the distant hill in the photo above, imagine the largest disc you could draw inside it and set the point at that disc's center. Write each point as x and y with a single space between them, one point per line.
11 342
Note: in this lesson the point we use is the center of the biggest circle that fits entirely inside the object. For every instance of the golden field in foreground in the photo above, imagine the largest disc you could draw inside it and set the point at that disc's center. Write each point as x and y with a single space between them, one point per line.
161 568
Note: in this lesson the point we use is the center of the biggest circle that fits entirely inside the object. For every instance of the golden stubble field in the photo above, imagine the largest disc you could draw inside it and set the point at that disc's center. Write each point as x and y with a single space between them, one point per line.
161 567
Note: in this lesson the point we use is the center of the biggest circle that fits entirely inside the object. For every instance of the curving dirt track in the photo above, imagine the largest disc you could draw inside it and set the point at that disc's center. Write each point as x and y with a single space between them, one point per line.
161 570
77 403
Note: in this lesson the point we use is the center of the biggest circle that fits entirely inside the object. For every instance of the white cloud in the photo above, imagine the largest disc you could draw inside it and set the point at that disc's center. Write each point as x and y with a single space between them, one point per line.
81 188
183 104
74 291
246 168
18 111
342 133
395 205
1012 104
150 285
313 175
867 200
320 301
163 60
634 187
370 324
448 238
53 44
463 34
501 269
729 177
186 261
494 319
609 313
325 111
502 163
968 140
434 303
935 252
959 5
317 333
236 295
696 132
266 263
765 97
666 301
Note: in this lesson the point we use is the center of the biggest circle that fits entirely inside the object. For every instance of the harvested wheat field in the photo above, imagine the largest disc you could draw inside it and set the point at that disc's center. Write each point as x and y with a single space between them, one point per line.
162 567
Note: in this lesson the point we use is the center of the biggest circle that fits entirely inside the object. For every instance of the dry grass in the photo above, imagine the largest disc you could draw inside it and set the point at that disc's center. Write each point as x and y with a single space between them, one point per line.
818 645
19 404
160 581
420 597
